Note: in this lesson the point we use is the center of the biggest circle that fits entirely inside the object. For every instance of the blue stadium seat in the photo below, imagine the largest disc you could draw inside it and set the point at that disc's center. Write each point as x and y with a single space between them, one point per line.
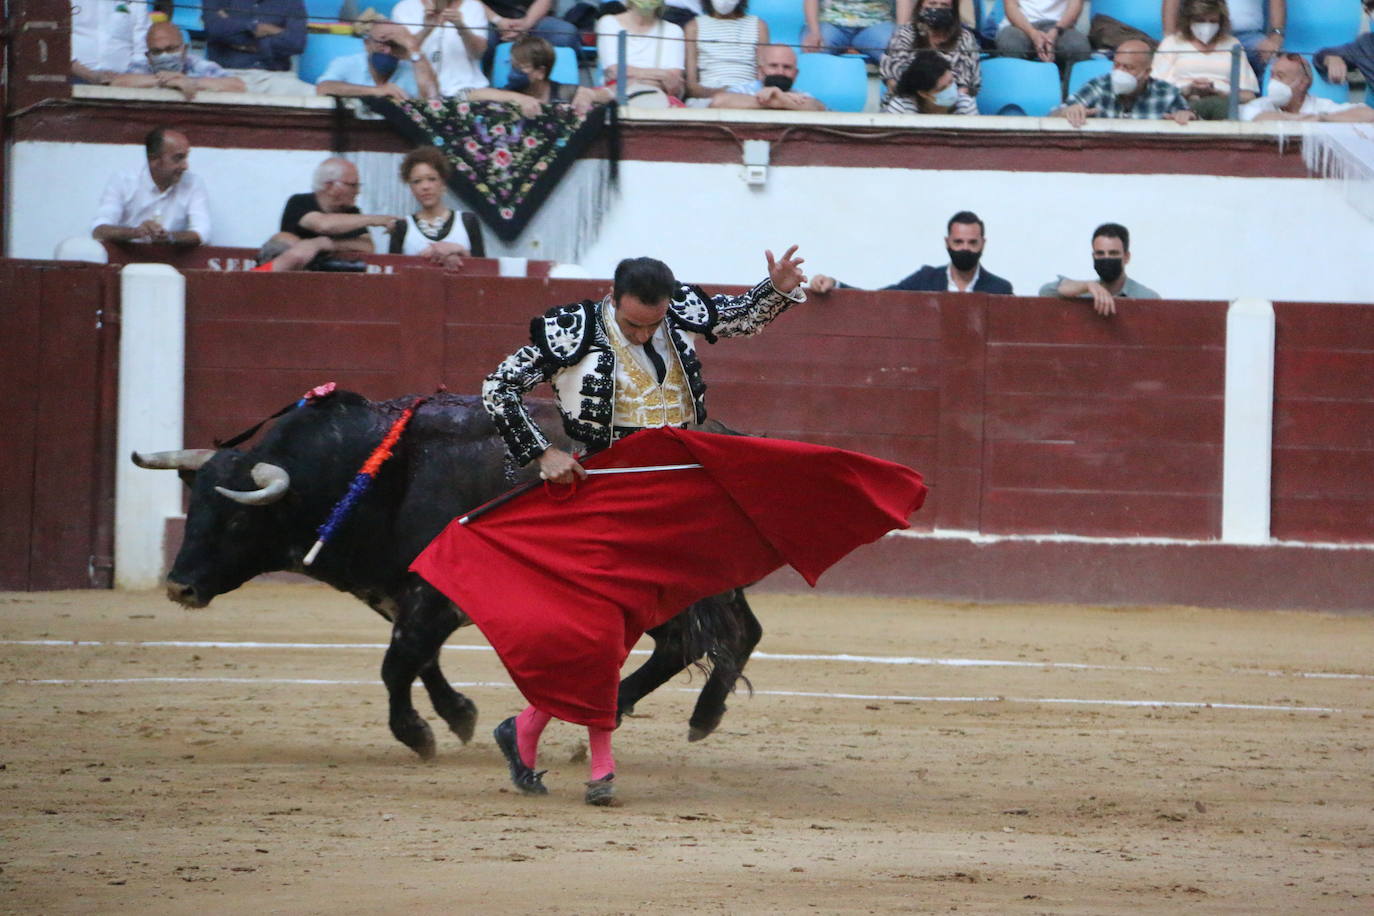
564 66
325 10
1336 92
1145 15
186 16
1012 86
1316 24
838 81
1085 70
785 19
320 49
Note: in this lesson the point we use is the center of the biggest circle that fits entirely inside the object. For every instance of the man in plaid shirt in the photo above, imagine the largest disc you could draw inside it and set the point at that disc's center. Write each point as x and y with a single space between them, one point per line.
1127 92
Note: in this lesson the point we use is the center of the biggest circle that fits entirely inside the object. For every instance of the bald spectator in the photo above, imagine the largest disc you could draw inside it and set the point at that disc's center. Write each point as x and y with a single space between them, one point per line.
777 71
1128 91
107 37
169 64
157 202
331 210
1111 253
390 65
1289 97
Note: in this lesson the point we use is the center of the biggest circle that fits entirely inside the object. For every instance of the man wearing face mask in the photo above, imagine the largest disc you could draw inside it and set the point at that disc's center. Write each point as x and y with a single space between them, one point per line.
169 65
964 241
1111 254
773 88
1288 98
1127 92
390 65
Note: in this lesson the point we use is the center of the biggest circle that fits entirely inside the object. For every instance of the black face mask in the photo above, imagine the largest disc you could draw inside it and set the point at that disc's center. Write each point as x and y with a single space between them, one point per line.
519 81
963 259
939 19
1109 269
778 80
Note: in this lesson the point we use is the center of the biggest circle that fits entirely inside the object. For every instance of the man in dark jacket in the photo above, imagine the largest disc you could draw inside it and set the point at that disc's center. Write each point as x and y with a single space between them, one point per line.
964 240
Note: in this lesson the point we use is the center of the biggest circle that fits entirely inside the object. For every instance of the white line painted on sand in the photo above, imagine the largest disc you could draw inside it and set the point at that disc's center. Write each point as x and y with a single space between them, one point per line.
819 695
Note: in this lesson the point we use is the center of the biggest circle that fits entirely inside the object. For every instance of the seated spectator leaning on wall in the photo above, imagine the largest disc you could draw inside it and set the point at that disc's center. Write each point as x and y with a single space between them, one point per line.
1197 59
777 71
655 49
258 38
330 210
1127 92
529 87
1044 29
835 26
1335 62
107 37
934 30
927 87
389 65
722 48
1288 97
1111 254
159 201
170 65
964 241
1258 24
452 35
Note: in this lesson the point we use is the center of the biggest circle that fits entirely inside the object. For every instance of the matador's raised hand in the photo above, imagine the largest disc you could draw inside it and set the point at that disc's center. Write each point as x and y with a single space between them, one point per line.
786 272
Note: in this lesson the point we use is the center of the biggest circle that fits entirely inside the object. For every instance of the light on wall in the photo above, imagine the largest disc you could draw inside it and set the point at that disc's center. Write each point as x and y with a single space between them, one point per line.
756 163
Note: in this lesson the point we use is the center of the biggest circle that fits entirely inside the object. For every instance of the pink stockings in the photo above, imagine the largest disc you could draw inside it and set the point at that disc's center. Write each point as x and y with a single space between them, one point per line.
529 725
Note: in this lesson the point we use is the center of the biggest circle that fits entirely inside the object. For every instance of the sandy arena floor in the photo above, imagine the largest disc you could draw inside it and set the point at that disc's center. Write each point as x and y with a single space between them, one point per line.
982 759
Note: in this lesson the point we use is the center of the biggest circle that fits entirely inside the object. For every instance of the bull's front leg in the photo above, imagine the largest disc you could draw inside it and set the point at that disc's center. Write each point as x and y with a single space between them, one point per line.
671 654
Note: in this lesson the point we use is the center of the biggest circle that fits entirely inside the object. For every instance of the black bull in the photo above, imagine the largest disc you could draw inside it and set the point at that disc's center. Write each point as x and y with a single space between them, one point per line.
257 511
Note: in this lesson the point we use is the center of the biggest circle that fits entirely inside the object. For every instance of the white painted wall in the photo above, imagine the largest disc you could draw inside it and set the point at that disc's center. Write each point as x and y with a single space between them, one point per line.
1192 236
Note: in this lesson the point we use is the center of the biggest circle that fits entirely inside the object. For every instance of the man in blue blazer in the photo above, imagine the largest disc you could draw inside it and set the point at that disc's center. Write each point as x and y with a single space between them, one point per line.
964 240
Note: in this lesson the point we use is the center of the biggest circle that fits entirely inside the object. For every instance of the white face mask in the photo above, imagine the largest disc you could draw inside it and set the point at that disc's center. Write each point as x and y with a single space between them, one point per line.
1279 92
1206 31
724 7
1124 83
947 96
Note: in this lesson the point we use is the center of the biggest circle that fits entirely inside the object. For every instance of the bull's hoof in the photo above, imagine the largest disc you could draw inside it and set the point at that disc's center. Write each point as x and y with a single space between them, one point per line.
525 779
601 792
462 719
696 731
416 735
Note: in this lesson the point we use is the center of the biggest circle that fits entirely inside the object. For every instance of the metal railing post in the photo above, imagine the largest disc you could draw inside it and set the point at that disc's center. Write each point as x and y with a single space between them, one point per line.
1233 100
621 42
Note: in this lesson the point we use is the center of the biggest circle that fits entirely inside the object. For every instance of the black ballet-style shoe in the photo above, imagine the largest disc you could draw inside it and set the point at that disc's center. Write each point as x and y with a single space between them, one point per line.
526 780
601 792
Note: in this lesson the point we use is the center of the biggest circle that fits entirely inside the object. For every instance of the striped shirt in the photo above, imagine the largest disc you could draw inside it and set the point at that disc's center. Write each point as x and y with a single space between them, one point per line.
726 50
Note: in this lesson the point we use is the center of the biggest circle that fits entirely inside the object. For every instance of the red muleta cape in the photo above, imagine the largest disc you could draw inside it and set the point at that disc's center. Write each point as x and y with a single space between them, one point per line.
563 581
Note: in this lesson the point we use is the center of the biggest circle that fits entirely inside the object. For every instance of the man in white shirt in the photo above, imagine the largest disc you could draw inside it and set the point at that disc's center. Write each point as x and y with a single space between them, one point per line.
108 36
1288 98
1045 29
453 35
157 202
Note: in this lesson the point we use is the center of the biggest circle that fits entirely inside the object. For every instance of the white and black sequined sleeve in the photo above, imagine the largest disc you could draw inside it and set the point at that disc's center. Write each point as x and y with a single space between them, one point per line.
503 395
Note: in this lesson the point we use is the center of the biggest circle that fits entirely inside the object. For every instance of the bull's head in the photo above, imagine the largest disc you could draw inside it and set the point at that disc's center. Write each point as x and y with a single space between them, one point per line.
230 537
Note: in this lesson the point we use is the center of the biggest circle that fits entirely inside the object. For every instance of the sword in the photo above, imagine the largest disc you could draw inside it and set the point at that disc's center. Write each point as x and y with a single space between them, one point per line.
531 484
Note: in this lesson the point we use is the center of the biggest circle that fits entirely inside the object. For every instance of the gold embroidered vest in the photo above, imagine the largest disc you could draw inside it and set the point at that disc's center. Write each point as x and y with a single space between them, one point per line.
639 399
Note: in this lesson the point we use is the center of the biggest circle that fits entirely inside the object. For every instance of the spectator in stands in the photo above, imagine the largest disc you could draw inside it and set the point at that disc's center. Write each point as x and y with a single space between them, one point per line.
1288 97
1196 58
170 65
390 65
254 34
1128 91
1261 35
283 252
1045 29
1111 254
964 241
655 49
935 29
453 35
509 19
426 172
531 61
157 202
777 71
722 48
107 37
1334 62
835 26
927 87
330 209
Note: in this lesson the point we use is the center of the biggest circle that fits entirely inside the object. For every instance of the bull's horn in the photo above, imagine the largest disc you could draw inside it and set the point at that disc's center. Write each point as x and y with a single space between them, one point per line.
272 481
186 459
